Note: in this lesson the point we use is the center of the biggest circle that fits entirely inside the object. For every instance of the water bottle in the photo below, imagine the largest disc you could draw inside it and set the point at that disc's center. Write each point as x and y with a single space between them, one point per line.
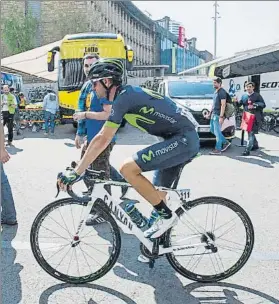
135 215
153 218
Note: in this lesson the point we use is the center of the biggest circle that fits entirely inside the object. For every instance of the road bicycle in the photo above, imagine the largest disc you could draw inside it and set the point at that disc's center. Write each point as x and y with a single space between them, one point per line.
185 251
271 121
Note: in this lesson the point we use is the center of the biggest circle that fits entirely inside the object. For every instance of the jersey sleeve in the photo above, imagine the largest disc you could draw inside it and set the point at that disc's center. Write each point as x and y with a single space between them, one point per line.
119 108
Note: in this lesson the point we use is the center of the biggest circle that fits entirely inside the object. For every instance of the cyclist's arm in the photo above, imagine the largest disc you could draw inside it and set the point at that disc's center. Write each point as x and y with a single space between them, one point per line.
103 138
104 115
95 148
85 90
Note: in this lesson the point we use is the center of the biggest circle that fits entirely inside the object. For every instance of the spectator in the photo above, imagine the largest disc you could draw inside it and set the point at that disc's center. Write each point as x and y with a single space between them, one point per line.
9 105
217 117
50 106
16 115
8 212
22 101
252 102
92 115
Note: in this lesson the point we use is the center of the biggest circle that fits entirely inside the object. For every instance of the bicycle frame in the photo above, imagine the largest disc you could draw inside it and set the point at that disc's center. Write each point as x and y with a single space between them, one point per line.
121 217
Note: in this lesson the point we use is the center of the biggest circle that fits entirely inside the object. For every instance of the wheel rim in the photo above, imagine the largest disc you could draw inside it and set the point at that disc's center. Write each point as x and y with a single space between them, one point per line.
188 265
56 250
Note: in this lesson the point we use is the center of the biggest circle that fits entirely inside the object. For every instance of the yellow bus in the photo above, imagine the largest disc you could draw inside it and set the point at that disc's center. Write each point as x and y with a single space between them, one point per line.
70 70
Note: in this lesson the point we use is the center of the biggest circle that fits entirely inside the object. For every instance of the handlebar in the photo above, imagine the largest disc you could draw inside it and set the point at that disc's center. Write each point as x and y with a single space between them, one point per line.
90 175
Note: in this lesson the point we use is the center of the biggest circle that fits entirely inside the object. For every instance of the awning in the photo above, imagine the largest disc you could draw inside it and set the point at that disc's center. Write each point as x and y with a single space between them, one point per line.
33 62
264 58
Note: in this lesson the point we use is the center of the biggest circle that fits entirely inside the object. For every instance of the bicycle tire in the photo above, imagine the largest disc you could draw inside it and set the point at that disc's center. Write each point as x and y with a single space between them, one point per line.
55 273
276 123
250 238
266 124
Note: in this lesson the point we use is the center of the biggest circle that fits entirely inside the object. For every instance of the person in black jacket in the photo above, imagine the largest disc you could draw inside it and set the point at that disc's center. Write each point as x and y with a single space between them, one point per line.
252 102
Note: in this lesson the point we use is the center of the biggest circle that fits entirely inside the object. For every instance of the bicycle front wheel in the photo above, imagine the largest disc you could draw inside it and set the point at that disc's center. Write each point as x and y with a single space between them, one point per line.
207 219
66 256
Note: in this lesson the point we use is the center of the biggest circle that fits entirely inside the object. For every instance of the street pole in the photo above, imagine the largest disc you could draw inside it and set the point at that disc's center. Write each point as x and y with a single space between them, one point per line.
216 13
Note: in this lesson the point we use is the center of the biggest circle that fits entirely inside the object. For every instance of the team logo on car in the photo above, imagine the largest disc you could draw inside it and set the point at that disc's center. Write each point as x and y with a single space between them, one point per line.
205 112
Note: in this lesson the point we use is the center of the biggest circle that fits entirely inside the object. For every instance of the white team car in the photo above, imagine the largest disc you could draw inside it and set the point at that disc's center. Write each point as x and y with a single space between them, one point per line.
195 94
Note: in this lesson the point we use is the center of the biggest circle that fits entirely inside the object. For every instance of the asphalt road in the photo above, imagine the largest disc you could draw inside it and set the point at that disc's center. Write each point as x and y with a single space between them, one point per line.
250 181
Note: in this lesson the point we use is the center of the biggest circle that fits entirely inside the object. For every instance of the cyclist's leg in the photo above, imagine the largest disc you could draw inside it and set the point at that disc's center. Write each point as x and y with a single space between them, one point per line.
162 155
166 177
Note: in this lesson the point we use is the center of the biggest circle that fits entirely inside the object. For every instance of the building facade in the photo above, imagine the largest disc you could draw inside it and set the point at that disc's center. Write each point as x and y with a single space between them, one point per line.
151 41
174 27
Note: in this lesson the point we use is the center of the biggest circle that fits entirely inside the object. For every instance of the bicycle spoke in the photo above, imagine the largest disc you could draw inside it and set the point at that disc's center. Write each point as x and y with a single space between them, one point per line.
229 248
71 235
214 222
192 257
206 217
57 251
91 257
77 260
88 233
225 224
229 241
73 219
198 261
228 230
55 233
63 258
85 259
95 248
190 224
70 262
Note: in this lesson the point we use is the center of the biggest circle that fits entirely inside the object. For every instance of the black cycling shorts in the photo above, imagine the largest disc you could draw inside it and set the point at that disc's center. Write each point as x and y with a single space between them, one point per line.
171 152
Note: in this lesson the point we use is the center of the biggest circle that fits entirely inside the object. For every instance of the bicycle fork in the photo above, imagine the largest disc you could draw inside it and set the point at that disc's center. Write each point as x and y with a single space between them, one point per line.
76 238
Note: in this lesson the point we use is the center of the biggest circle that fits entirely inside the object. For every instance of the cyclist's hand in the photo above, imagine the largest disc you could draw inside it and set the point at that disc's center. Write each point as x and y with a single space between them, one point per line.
78 141
67 178
79 116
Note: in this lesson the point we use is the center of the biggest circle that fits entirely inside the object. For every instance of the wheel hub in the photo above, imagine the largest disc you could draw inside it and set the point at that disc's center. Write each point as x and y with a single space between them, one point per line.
207 238
75 241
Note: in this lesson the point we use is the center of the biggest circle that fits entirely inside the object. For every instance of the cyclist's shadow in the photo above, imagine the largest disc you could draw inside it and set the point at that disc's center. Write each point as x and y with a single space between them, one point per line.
163 278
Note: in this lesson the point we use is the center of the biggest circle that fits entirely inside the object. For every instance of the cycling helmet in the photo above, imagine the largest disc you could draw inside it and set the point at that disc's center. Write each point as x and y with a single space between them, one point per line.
107 68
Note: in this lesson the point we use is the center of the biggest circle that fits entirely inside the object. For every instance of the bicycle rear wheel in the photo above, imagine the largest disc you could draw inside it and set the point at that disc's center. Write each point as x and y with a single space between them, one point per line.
276 123
186 262
52 242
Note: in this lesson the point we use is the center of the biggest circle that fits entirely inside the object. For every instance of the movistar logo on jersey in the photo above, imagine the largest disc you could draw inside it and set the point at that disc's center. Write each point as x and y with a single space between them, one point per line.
151 111
133 120
147 110
150 154
147 158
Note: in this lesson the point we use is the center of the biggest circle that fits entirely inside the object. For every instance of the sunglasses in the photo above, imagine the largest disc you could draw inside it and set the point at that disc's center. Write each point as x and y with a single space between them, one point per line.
87 65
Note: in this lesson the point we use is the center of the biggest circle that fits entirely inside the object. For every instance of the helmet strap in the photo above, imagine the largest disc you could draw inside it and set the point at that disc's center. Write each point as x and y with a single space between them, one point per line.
108 89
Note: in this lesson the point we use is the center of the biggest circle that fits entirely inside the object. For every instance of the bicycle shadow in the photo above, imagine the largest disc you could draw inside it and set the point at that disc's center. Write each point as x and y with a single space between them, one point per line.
162 277
227 293
11 290
98 291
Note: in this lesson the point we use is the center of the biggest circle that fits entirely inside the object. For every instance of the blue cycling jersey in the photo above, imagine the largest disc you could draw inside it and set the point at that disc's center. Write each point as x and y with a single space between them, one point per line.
150 112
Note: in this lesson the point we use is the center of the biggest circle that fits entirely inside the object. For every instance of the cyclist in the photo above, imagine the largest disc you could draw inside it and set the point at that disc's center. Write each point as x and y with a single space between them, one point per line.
150 112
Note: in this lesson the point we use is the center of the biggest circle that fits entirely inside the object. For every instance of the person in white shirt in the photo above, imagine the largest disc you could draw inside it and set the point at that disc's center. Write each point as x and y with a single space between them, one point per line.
50 106
9 105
